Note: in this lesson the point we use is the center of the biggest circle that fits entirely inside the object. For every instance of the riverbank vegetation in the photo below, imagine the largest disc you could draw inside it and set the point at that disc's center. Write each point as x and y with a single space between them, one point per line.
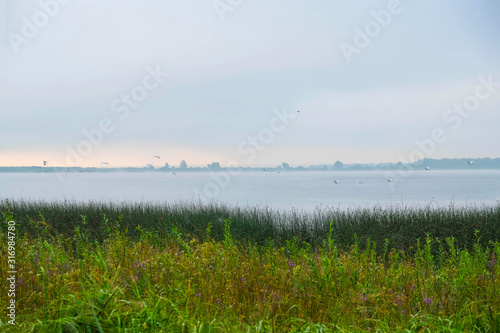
192 268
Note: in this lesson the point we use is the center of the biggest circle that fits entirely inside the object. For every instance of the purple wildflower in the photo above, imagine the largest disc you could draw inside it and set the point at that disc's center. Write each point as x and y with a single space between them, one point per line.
492 262
20 281
428 301
291 263
139 264
36 260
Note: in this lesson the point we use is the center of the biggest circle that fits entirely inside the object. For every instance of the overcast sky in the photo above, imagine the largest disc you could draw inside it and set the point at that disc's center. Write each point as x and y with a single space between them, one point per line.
86 81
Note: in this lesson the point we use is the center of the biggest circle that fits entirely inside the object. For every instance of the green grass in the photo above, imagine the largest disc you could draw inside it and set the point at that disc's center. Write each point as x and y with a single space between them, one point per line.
143 268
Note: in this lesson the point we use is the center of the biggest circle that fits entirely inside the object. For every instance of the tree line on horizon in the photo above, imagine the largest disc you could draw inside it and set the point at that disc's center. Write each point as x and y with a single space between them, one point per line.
425 164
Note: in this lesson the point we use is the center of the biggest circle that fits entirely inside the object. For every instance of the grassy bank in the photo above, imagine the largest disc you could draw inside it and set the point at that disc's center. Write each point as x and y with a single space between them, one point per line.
95 267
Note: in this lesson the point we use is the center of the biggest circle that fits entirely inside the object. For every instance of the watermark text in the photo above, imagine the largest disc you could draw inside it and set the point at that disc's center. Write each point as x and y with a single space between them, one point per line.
11 272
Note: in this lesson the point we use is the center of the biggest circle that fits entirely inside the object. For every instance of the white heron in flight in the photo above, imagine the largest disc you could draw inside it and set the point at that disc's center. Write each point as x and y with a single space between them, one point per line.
104 163
149 165
156 156
390 179
471 162
336 181
427 168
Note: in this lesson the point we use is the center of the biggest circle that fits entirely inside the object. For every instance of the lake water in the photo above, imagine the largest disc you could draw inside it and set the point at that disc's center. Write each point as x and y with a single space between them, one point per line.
285 190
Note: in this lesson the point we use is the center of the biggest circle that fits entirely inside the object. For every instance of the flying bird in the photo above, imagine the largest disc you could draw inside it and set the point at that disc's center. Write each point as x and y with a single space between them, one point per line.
390 179
471 162
156 156
44 162
336 181
102 163
149 165
427 168
360 182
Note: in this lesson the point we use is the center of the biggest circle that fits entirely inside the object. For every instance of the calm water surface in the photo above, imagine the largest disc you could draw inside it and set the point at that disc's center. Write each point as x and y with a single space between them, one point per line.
285 190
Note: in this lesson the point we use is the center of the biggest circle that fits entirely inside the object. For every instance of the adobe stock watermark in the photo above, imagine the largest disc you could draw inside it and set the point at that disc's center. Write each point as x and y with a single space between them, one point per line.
247 149
454 118
121 107
11 272
3 19
222 7
372 29
31 26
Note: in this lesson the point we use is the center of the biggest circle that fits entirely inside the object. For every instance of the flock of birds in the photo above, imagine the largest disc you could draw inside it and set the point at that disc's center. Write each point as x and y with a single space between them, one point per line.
336 181
390 180
148 165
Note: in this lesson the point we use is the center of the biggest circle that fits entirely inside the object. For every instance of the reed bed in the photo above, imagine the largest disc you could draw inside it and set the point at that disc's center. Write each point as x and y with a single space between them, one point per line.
400 226
99 267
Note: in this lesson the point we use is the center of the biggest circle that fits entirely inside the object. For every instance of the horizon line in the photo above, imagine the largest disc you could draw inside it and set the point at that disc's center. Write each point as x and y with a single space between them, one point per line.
254 166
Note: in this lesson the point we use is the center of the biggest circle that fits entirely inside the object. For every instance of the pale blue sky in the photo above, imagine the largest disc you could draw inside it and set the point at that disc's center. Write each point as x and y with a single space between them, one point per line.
227 76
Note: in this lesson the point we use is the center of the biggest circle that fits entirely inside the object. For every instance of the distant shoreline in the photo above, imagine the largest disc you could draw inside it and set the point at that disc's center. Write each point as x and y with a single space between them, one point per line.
425 164
193 170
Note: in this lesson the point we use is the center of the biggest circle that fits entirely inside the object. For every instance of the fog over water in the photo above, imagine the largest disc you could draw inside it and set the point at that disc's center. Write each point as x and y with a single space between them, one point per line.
284 191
